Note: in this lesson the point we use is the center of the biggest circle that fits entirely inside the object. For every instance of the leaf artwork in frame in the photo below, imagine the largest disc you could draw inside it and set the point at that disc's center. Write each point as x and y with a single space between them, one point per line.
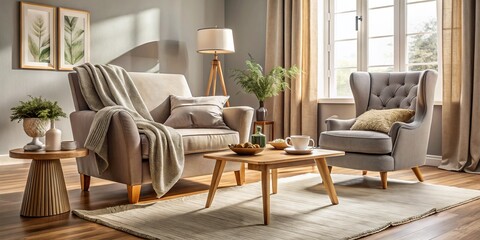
74 43
37 36
73 49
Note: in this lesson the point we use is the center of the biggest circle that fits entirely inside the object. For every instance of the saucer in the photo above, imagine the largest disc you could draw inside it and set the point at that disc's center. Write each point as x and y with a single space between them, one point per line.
292 150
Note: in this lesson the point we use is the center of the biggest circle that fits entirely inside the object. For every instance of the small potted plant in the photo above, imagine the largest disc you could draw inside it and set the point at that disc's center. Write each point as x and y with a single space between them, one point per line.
254 80
36 114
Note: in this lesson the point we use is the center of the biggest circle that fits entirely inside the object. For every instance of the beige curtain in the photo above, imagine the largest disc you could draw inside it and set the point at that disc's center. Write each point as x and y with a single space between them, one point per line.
461 85
292 40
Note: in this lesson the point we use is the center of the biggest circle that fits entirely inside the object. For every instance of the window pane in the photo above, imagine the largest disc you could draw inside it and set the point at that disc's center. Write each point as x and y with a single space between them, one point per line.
381 69
346 54
345 5
422 17
379 3
380 22
380 51
422 67
345 26
422 48
342 82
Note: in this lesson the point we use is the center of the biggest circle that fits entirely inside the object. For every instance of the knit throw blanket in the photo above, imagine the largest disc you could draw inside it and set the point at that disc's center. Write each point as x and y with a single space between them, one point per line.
108 90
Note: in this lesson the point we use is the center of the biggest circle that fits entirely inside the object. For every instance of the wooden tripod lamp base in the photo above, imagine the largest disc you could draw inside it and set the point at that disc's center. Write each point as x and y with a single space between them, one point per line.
215 41
215 70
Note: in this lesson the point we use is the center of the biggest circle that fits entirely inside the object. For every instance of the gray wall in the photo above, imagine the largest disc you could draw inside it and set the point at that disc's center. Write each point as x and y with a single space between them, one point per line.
347 111
247 19
142 35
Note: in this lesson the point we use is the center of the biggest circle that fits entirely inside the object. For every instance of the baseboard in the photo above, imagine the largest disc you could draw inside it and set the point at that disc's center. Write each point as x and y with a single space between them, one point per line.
433 160
6 160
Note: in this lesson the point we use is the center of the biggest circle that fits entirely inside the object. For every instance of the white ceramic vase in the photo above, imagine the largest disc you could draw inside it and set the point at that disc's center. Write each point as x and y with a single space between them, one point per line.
53 138
35 128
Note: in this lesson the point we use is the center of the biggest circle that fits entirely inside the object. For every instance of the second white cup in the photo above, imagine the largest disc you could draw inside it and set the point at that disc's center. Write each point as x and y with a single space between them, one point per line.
300 142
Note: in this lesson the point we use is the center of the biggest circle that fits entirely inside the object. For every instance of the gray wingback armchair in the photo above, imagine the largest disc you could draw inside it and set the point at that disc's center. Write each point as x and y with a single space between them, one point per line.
405 146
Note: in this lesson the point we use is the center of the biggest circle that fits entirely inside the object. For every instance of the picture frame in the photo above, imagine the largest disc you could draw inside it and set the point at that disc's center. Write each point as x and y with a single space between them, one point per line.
37 36
73 38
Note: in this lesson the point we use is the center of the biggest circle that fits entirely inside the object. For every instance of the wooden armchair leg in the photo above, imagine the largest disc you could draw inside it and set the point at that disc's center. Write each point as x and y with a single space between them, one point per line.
383 177
134 193
418 173
84 182
240 175
330 169
364 173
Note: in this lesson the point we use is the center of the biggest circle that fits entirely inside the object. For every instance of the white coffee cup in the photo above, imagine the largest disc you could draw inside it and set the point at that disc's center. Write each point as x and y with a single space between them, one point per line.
300 142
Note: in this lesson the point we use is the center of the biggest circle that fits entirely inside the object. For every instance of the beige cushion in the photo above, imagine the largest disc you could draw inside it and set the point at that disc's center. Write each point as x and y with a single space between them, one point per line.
196 112
382 120
198 140
156 89
206 140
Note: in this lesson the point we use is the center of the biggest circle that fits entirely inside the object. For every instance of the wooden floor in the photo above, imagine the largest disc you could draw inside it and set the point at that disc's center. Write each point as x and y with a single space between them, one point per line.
459 223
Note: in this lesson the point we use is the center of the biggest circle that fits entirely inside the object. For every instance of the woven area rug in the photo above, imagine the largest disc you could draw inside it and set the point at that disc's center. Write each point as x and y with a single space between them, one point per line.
300 210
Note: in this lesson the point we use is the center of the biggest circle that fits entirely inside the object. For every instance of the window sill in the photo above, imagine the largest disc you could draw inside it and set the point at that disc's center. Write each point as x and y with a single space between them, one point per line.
350 101
336 101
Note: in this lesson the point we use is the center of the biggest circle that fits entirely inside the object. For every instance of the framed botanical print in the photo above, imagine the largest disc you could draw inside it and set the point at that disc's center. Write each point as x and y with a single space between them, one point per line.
73 38
37 36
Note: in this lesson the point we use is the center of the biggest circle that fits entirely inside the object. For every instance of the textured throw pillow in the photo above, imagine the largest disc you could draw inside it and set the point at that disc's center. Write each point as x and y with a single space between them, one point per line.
196 112
382 120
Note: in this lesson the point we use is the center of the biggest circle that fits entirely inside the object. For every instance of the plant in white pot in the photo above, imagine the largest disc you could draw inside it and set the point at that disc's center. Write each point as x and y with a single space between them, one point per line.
37 113
254 80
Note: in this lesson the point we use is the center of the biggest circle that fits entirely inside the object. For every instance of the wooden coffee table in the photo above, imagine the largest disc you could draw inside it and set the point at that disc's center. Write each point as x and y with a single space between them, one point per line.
272 160
45 192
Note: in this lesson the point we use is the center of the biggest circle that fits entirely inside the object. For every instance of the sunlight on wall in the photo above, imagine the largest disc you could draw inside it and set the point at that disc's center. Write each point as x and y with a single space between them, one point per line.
147 26
121 34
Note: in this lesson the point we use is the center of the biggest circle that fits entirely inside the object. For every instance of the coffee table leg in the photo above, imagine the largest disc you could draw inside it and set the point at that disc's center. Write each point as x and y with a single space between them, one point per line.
327 179
274 180
266 194
216 176
45 192
240 175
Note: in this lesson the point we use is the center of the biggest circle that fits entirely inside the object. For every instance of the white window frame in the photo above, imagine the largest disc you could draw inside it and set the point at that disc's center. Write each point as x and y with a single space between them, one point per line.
326 49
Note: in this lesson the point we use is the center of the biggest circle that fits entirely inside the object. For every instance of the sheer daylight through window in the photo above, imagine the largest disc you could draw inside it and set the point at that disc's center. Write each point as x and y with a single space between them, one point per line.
377 36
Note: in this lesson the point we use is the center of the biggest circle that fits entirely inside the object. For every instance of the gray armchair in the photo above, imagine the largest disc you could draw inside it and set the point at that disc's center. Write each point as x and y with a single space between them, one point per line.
405 146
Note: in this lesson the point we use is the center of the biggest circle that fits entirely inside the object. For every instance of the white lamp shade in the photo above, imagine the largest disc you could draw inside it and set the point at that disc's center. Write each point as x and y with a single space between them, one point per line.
215 40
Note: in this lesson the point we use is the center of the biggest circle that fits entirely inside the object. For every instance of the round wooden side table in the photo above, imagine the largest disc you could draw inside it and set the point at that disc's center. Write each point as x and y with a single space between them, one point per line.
45 192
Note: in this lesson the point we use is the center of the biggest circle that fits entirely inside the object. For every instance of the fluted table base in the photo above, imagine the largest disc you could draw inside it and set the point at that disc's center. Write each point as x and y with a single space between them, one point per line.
45 193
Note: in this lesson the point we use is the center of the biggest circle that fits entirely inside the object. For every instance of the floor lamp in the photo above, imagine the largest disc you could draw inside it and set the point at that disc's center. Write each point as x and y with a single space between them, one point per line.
215 41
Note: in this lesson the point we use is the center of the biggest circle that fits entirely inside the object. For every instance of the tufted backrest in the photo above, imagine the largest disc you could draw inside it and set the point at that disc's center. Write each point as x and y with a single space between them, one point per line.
389 90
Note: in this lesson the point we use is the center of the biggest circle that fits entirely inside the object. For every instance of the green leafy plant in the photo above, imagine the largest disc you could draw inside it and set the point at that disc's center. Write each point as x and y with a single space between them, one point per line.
37 107
39 43
253 80
74 49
